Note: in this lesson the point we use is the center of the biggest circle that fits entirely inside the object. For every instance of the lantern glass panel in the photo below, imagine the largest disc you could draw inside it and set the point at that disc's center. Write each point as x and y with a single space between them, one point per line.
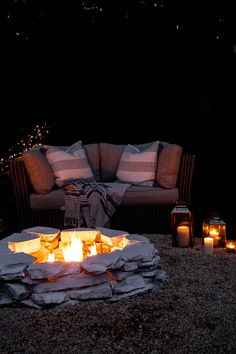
216 228
182 226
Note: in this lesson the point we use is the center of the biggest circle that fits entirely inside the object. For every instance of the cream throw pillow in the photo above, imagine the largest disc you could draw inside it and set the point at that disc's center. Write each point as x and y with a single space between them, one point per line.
138 166
70 164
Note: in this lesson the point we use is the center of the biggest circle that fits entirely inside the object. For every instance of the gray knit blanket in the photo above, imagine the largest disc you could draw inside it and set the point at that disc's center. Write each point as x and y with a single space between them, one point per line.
92 204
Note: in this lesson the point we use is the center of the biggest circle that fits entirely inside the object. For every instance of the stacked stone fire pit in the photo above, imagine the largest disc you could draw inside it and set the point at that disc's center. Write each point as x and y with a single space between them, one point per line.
34 271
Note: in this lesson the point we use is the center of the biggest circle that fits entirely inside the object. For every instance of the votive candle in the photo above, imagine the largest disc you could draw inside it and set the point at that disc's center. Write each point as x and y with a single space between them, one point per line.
230 246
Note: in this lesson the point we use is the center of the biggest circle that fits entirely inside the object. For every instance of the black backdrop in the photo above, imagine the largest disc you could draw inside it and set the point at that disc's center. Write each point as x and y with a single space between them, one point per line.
126 74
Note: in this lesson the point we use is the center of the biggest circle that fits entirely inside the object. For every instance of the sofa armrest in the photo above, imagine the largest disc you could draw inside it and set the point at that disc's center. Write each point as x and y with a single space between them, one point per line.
185 177
21 188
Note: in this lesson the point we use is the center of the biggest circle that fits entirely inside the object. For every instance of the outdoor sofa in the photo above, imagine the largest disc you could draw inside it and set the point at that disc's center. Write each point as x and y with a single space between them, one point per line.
145 209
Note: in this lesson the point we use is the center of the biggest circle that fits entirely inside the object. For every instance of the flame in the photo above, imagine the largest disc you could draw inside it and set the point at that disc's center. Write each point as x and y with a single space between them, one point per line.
214 233
93 250
51 257
74 251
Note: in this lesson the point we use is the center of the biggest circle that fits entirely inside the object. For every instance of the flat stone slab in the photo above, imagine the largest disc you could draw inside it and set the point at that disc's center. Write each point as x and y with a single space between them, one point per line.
139 253
21 242
53 270
131 283
55 297
111 233
46 233
71 282
103 262
12 266
118 297
18 291
139 238
153 262
16 258
102 291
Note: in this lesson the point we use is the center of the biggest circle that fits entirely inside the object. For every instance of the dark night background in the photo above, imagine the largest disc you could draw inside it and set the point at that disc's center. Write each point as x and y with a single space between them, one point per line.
126 72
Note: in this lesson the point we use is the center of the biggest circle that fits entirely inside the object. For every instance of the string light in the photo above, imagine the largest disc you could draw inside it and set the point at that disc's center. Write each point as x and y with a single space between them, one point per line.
89 6
36 137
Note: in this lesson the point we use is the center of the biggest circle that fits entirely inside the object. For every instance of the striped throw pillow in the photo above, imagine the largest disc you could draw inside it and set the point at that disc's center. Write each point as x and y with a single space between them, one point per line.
70 164
138 166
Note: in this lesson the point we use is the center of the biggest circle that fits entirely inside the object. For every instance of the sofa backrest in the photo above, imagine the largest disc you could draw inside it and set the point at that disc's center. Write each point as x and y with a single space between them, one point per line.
110 155
92 152
104 160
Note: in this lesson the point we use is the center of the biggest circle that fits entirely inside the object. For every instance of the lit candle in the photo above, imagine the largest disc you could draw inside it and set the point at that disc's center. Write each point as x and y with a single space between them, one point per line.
215 235
183 236
208 245
230 246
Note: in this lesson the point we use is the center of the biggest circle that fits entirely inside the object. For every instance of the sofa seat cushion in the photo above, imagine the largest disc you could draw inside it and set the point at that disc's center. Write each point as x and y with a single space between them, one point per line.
135 195
53 200
140 195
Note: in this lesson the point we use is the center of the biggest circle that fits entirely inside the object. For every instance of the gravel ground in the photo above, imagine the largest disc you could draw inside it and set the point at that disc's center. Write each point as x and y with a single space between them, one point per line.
193 311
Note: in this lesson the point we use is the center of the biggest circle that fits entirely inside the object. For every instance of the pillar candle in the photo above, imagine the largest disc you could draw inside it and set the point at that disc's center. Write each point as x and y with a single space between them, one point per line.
208 245
183 236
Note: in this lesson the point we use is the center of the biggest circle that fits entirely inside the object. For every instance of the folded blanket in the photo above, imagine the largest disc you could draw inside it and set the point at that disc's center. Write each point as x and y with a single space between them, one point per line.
92 204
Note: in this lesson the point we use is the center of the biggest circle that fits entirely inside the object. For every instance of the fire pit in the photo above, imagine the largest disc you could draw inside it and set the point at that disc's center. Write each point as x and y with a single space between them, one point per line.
42 266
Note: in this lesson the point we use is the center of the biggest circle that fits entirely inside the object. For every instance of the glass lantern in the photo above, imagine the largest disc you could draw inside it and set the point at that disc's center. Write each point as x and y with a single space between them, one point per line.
182 225
215 228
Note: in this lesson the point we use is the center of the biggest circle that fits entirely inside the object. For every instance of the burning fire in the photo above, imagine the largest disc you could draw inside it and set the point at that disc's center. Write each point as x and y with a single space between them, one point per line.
74 251
68 246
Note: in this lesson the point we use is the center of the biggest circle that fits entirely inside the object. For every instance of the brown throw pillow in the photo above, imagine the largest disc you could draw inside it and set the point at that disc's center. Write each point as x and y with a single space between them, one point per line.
168 165
40 173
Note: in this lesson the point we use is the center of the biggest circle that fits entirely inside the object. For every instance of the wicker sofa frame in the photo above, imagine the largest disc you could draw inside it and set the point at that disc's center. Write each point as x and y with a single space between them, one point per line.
151 218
